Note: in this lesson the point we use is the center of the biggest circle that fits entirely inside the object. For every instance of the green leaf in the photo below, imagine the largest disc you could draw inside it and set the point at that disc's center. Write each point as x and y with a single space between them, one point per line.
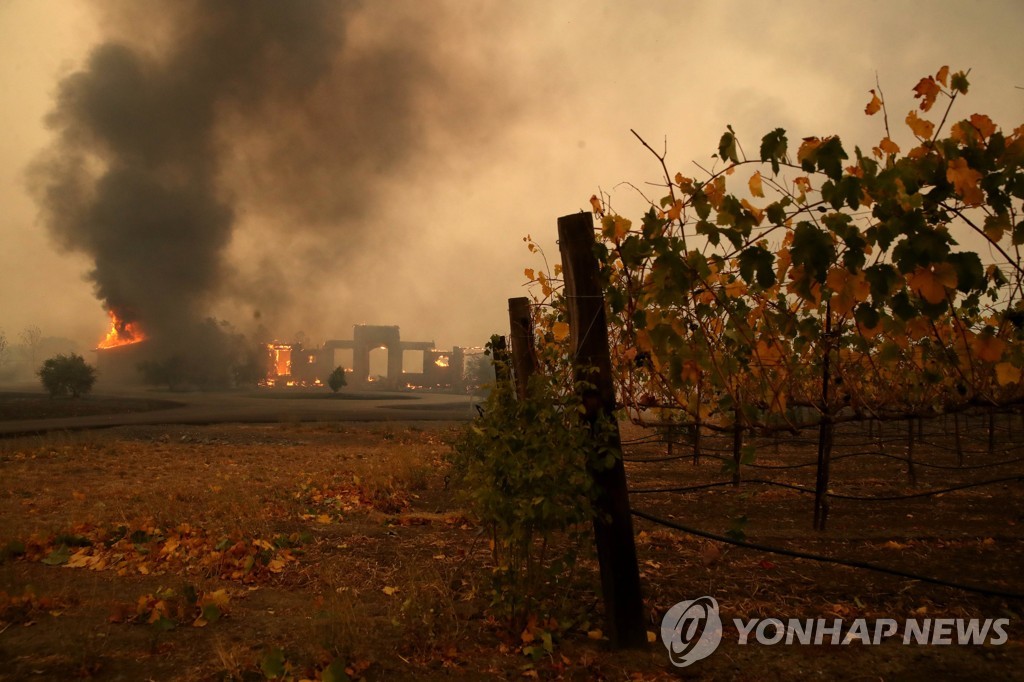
970 274
335 672
773 148
727 146
211 613
58 557
813 249
883 279
272 664
756 259
866 315
776 213
959 82
164 624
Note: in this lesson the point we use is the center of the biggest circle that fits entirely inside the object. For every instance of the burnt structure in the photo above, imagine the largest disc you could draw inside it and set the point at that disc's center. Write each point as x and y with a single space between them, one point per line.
292 364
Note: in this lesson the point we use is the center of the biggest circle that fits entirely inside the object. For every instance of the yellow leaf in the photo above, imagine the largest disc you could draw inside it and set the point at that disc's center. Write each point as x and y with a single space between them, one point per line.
530 275
754 210
888 146
983 124
218 598
803 184
848 288
595 204
560 330
390 591
988 348
921 128
735 288
755 185
651 637
323 518
927 89
807 148
874 106
595 634
1007 373
931 283
942 75
675 211
615 227
966 181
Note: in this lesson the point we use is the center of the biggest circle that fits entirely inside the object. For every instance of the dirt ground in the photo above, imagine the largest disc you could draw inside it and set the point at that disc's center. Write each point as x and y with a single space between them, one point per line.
338 551
25 405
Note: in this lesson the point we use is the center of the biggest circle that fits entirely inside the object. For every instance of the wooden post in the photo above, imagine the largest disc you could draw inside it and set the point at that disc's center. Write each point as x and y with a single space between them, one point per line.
737 446
524 360
956 435
911 472
821 502
613 525
991 432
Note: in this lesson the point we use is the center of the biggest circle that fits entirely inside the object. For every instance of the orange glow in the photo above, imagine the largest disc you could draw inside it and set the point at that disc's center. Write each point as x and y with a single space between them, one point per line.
121 333
281 359
442 361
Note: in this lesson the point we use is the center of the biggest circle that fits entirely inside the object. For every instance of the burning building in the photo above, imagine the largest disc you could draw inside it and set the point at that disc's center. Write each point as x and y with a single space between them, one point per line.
293 364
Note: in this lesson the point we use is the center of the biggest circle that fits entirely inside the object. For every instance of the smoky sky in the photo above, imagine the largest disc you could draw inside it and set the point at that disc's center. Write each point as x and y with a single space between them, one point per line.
197 113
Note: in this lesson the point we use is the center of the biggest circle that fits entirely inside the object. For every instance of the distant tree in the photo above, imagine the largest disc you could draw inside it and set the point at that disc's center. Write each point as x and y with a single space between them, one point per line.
67 374
170 372
479 371
251 366
337 379
32 337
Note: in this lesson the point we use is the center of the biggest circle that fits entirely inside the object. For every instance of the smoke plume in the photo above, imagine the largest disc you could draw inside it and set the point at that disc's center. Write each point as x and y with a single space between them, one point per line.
196 117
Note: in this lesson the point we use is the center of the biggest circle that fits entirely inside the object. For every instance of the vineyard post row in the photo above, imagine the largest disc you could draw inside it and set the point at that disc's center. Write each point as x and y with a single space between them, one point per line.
613 522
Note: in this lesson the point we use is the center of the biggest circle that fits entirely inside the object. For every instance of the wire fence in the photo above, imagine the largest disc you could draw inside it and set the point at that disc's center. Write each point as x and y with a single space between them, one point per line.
925 444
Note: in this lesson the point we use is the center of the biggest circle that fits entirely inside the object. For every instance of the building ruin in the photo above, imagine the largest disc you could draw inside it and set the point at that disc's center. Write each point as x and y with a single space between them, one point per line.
292 364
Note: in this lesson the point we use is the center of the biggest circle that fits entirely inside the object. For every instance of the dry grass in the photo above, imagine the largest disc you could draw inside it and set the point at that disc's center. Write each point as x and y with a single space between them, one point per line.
382 572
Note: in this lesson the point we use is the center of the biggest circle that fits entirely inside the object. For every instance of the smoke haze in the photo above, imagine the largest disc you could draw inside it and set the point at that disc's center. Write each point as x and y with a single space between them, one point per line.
259 113
333 163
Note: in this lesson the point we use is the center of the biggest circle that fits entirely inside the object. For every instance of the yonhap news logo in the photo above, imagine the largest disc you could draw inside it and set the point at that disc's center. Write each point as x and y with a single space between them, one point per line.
692 630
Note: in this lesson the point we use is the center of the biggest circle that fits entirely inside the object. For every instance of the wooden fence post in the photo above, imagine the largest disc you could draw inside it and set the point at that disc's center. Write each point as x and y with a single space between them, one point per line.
613 525
524 359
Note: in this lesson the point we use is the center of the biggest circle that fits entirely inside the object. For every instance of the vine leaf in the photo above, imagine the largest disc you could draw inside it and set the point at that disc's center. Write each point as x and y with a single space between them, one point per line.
966 181
927 89
874 106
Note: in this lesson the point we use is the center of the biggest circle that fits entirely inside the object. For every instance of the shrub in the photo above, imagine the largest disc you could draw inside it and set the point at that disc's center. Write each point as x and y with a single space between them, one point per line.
337 379
524 467
67 374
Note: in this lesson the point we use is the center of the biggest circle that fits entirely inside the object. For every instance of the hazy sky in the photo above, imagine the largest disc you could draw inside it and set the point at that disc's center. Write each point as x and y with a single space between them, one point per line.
512 113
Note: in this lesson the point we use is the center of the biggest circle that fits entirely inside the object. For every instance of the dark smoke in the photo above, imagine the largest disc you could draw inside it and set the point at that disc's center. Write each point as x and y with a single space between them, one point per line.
198 115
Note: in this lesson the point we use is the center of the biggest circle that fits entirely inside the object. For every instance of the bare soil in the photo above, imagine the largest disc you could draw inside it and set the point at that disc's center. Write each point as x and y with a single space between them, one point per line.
241 551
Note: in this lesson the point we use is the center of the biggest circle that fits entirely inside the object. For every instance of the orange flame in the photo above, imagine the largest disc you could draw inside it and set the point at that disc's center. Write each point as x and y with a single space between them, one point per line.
121 333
